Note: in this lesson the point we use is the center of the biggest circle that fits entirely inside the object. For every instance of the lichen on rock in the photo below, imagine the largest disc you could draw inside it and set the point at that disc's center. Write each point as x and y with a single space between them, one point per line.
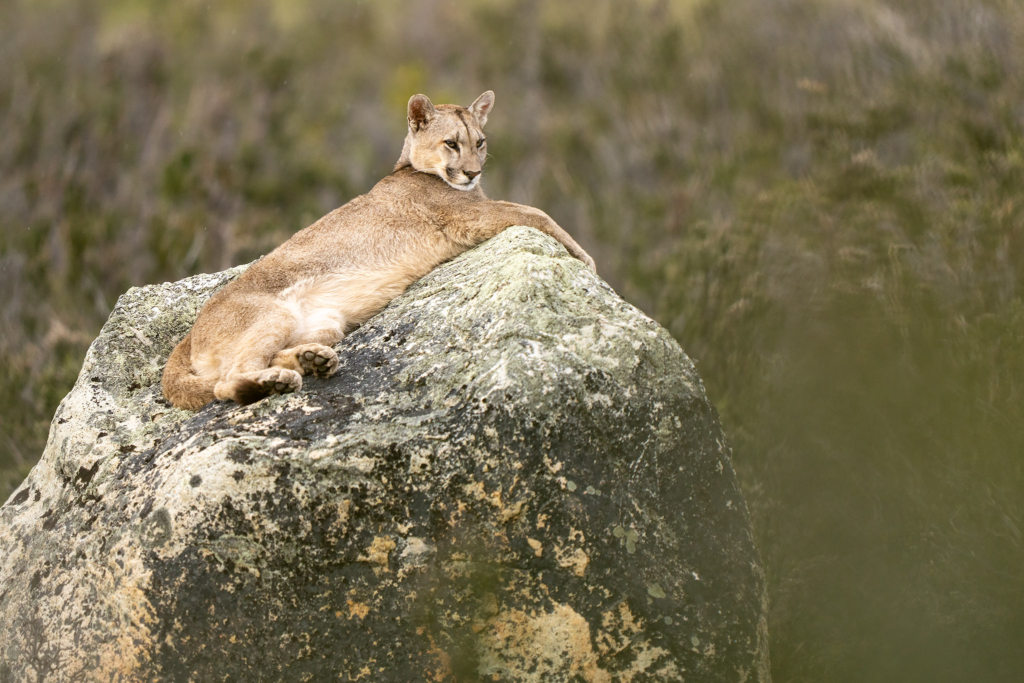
515 475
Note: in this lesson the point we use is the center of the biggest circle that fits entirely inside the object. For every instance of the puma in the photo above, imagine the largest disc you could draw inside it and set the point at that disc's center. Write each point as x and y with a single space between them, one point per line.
278 320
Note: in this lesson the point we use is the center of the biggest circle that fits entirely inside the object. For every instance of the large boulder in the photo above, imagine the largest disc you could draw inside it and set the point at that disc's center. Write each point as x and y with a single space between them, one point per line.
514 476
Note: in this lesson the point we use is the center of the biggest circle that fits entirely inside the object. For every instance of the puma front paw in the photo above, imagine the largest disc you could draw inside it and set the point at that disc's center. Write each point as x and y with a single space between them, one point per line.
317 359
585 257
279 380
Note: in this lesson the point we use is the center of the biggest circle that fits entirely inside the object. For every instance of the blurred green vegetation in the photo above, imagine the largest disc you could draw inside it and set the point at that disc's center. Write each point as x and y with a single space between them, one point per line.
821 199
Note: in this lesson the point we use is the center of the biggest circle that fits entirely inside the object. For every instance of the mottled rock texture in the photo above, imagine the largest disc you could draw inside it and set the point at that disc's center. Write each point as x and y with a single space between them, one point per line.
514 476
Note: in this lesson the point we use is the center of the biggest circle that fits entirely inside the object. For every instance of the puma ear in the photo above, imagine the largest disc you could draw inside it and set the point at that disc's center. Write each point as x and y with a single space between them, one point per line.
482 107
421 110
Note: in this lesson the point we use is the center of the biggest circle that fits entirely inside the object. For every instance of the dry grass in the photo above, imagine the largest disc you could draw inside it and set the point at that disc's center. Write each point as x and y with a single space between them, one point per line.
819 198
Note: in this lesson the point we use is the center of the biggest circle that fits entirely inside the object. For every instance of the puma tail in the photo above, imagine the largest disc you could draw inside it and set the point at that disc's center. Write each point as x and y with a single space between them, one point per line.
183 387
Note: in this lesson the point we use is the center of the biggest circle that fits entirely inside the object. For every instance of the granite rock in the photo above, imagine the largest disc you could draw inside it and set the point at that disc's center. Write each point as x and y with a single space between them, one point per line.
515 475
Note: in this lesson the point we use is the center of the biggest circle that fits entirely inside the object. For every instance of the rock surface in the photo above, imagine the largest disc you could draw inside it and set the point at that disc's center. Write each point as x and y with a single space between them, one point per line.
514 476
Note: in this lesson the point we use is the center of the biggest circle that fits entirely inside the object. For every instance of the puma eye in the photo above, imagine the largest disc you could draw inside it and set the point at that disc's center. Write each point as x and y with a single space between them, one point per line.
481 142
452 144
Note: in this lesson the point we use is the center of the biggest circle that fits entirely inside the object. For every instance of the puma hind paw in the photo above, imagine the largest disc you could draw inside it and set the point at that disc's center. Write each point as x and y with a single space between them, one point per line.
253 386
279 380
309 359
317 359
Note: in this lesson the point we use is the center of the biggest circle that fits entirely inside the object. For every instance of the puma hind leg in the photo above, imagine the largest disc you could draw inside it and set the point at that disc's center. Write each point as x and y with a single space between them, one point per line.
252 376
272 355
284 375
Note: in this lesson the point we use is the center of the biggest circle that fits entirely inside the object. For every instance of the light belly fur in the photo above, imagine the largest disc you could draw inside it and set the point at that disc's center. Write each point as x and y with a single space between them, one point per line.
337 302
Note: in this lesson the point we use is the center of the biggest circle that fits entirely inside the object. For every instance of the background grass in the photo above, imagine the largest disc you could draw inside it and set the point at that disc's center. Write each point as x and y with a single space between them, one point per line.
821 199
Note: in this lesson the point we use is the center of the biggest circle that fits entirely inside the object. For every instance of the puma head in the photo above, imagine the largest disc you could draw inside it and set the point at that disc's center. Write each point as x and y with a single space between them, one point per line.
447 140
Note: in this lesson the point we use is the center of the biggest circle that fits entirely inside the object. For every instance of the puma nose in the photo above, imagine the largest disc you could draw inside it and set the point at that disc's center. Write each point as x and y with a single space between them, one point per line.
471 174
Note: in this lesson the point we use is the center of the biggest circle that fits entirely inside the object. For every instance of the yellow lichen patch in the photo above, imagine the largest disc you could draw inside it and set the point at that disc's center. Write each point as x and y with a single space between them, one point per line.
357 609
553 466
379 551
538 548
341 519
572 558
475 490
618 626
511 512
621 631
364 672
442 662
535 647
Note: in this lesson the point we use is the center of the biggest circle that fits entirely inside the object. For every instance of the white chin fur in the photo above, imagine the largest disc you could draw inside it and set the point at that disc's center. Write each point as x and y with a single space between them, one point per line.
471 185
464 187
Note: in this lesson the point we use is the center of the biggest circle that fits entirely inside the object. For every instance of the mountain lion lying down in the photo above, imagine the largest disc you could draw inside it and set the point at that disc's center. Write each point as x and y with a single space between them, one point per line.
277 322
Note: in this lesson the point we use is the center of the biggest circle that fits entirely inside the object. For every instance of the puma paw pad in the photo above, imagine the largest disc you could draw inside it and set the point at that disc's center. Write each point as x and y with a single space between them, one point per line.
318 360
